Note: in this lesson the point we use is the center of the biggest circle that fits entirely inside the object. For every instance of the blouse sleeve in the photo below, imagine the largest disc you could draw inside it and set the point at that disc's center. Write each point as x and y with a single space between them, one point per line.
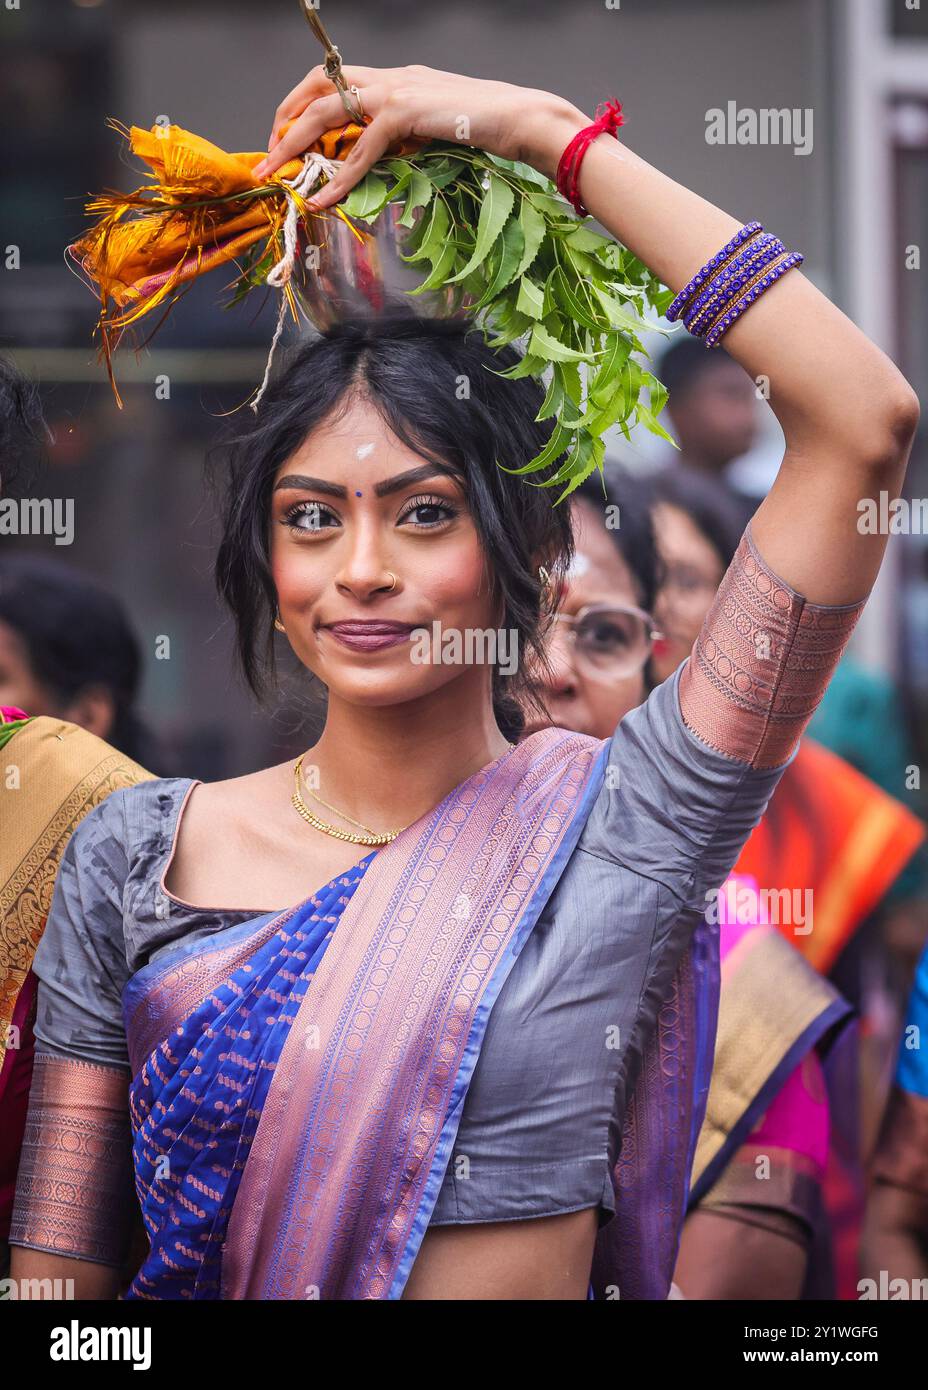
74 1187
689 773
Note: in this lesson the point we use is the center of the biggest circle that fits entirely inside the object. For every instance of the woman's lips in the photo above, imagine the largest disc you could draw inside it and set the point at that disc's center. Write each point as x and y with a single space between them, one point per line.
369 637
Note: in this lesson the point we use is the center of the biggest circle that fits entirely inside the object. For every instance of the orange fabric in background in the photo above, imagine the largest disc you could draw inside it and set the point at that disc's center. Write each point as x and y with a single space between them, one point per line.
830 829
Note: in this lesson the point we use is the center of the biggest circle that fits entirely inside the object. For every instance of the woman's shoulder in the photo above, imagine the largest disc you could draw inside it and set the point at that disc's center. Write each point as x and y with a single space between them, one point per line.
129 816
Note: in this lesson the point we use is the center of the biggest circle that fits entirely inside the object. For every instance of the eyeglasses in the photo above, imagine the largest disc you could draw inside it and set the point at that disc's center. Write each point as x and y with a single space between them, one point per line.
610 639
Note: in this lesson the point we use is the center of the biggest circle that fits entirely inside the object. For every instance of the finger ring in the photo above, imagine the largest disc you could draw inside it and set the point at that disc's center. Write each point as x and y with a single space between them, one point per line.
357 112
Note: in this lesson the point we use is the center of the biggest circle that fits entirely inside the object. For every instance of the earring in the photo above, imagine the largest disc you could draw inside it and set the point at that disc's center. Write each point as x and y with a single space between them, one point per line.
544 577
278 624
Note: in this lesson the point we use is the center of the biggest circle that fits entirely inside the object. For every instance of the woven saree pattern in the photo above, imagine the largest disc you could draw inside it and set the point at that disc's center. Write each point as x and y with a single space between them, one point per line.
74 1191
769 654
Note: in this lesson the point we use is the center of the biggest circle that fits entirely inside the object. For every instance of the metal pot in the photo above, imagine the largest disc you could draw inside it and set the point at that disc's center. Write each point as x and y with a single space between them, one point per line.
368 277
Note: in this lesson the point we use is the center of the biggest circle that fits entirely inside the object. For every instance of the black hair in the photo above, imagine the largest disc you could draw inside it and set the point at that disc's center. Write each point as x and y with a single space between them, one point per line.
23 431
429 380
634 535
686 360
709 504
76 634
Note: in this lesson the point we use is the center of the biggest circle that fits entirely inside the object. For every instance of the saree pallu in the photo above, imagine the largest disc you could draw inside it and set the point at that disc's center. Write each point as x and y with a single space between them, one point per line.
833 833
775 1119
54 773
298 1079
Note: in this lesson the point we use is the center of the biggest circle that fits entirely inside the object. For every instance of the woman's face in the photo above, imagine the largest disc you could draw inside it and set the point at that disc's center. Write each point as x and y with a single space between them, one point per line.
351 506
693 571
574 697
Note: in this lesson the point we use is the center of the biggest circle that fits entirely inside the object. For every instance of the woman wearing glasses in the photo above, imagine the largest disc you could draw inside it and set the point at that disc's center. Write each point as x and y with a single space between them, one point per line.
445 1072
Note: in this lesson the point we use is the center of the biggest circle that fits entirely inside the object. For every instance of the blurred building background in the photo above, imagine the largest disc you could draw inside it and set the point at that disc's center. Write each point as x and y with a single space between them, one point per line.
856 205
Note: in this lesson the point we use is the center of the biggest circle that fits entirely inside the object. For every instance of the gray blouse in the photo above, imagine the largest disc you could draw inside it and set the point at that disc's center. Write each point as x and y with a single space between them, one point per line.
538 1133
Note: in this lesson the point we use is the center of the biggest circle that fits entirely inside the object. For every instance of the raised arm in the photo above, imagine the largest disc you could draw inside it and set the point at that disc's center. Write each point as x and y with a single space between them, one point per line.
848 414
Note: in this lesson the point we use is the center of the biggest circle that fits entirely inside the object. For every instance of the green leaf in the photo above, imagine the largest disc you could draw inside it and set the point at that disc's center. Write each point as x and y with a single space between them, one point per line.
531 298
644 416
555 446
616 355
618 316
528 366
543 345
421 190
512 244
592 461
434 236
533 230
583 239
572 303
657 392
554 396
366 198
567 468
439 272
494 211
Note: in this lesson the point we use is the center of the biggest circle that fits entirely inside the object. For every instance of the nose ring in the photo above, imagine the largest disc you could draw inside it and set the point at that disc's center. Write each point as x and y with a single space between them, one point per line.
393 585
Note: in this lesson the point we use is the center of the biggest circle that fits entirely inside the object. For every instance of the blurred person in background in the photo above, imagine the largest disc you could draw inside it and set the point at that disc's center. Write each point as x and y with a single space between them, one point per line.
714 414
895 1243
65 650
742 1238
829 837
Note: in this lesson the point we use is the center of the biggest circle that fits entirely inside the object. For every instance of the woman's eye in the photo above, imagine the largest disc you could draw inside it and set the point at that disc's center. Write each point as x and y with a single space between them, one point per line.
429 513
308 516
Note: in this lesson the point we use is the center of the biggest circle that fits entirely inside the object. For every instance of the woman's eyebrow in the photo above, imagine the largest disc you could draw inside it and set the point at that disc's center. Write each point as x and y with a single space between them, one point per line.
401 480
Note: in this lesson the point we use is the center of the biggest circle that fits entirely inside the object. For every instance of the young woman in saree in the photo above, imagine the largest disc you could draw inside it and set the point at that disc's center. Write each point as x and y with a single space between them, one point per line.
510 976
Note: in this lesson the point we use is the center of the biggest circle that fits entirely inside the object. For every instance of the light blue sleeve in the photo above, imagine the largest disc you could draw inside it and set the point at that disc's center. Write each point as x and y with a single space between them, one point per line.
912 1066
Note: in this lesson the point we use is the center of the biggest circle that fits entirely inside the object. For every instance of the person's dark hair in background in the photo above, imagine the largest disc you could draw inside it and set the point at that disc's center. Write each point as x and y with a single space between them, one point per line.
713 410
67 650
634 534
708 503
23 431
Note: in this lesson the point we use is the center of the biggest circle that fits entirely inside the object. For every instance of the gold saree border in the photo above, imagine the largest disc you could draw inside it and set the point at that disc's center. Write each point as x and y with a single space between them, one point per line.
757 1027
74 1193
64 773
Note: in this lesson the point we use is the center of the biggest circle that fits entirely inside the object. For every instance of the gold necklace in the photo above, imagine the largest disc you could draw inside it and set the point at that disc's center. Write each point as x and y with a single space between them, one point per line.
371 837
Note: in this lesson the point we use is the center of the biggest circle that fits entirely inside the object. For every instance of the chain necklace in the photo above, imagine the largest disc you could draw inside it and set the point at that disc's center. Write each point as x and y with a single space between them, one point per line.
370 837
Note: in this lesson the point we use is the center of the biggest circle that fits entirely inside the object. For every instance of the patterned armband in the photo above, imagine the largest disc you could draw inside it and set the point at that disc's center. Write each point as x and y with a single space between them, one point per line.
902 1152
74 1192
761 663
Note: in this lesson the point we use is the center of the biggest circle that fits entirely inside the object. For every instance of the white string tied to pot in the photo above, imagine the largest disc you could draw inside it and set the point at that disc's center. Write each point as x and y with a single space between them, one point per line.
314 166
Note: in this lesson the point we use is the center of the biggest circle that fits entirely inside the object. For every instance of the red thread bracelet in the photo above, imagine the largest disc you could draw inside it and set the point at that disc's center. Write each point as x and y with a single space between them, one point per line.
608 119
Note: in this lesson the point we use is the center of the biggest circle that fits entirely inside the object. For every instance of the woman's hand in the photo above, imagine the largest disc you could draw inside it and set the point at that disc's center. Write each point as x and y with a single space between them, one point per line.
513 122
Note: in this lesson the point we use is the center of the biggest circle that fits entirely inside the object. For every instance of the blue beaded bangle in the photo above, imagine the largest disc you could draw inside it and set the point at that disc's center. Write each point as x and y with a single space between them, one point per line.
721 327
747 231
730 282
